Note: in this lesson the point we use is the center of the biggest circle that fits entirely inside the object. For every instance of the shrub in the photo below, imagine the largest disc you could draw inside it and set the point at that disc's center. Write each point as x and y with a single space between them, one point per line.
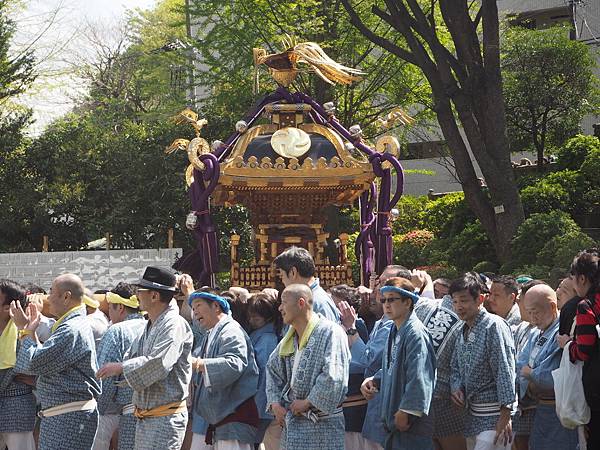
349 220
590 169
440 271
470 247
562 190
409 248
448 215
223 280
591 199
534 271
533 234
352 261
486 267
411 213
544 196
574 152
560 250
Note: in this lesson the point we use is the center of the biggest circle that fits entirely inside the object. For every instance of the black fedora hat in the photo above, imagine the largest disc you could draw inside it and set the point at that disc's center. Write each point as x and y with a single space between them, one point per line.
158 279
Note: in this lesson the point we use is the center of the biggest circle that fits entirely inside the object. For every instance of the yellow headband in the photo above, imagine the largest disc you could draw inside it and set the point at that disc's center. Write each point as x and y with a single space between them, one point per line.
131 302
92 303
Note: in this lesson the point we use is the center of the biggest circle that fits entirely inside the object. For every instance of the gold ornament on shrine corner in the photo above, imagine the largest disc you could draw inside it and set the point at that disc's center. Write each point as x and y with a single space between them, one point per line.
284 66
195 148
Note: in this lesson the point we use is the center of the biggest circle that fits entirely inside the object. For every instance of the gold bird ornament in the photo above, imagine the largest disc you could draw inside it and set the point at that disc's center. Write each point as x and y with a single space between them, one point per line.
194 148
191 117
284 66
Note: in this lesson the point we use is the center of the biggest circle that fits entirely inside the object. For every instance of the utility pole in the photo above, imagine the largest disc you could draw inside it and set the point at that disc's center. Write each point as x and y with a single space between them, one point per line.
573 12
191 55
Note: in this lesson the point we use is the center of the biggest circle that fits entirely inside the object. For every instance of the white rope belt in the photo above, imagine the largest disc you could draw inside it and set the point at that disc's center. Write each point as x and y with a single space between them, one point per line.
83 405
128 409
484 409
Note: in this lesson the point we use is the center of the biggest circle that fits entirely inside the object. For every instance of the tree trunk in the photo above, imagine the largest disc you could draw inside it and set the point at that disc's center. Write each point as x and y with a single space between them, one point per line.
467 91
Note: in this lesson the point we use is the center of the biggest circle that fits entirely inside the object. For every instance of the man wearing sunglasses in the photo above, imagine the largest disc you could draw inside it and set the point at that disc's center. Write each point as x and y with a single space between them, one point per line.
407 375
443 323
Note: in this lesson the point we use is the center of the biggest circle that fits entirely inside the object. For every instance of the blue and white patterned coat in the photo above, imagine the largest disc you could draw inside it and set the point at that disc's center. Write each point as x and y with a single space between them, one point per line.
264 341
115 395
233 374
543 355
322 378
65 366
483 366
158 368
323 303
17 403
406 380
369 355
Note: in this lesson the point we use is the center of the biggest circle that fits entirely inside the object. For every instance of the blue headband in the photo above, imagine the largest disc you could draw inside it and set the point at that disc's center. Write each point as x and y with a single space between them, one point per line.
414 297
223 303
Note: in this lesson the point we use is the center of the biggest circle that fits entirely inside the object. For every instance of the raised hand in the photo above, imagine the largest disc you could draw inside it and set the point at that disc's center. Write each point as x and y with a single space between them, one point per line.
19 317
347 314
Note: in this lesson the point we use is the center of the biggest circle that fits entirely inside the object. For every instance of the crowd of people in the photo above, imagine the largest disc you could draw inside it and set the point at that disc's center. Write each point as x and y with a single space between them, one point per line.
407 363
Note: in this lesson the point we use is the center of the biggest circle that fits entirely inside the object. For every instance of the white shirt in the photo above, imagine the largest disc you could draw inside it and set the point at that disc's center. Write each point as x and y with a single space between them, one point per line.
211 336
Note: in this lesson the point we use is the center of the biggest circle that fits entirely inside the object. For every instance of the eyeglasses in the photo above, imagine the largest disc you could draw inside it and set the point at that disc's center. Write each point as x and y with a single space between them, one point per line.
384 300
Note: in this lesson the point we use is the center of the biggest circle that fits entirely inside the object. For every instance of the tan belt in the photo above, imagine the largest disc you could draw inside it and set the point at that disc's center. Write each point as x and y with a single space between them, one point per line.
354 400
161 411
128 409
83 405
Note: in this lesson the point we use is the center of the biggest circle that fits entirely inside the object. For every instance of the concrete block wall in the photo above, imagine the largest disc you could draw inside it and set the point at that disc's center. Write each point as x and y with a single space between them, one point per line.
101 269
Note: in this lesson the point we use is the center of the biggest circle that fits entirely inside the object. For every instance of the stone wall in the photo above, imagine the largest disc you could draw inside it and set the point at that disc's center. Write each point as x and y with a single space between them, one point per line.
99 269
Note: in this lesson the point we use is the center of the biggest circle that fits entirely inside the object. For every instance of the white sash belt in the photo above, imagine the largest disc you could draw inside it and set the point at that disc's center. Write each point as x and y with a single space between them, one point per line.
83 405
484 409
128 409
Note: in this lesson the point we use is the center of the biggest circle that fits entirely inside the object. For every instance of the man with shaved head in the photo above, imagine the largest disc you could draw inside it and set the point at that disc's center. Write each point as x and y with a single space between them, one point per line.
535 364
307 375
65 366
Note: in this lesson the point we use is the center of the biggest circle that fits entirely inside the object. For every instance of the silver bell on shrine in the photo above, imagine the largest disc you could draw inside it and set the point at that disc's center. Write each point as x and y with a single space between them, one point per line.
329 108
355 131
241 126
191 220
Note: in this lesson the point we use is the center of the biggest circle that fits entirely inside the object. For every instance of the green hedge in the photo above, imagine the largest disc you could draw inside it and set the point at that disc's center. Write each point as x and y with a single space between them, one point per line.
537 231
574 152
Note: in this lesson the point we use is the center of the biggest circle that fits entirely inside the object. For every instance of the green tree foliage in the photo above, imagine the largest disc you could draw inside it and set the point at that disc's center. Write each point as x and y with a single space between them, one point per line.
16 71
536 231
549 85
140 70
574 152
102 168
16 74
230 29
90 180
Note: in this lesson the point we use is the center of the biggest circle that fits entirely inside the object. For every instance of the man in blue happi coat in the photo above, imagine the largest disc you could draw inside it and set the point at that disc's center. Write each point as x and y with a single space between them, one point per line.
227 377
407 376
158 365
307 376
65 367
540 357
114 404
17 404
482 377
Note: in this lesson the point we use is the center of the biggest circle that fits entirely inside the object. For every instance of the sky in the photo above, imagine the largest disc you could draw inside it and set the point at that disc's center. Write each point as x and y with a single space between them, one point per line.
56 29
